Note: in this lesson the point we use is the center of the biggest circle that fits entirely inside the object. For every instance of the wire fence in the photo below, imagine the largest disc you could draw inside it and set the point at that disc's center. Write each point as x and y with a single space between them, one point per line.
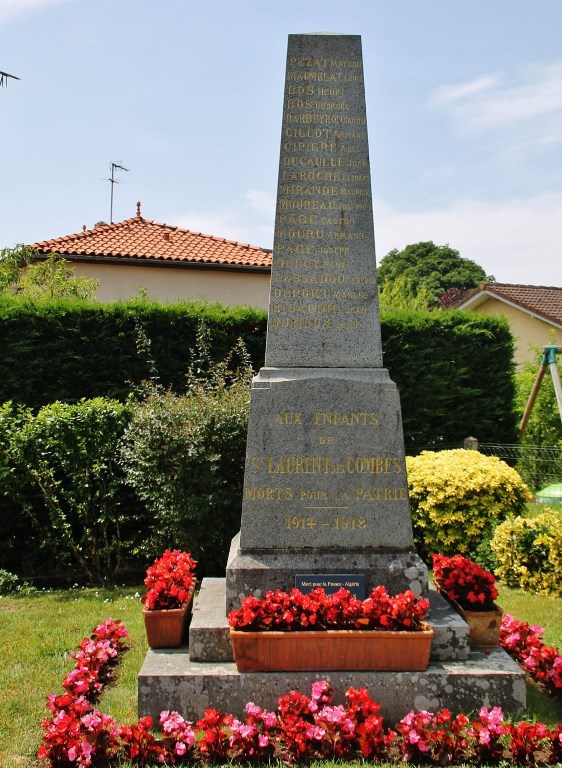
539 466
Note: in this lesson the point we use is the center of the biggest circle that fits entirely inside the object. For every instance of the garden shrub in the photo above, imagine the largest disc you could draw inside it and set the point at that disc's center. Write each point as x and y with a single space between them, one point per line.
184 457
74 497
457 497
528 552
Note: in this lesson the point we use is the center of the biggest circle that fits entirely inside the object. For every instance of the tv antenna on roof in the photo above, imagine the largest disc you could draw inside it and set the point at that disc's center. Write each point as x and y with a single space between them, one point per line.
113 181
4 77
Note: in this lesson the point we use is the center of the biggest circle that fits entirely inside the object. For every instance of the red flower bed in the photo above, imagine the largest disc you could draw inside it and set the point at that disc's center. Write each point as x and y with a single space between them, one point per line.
303 728
524 642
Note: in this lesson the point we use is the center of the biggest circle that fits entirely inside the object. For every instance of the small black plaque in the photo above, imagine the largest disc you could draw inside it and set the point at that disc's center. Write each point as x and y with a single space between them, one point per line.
331 582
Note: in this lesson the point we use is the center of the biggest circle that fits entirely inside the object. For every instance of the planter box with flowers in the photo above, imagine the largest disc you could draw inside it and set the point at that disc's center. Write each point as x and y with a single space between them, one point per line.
296 632
472 591
170 583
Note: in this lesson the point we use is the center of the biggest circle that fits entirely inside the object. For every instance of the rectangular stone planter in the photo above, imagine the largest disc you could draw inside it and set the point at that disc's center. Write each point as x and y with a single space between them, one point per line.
331 650
166 628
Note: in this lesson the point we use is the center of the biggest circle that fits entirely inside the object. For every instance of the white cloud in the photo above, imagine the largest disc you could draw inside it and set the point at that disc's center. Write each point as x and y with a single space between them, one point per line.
447 94
250 222
262 202
9 9
516 241
489 102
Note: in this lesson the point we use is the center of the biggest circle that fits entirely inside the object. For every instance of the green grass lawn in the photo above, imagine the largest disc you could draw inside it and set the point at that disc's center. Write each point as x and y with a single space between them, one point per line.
38 631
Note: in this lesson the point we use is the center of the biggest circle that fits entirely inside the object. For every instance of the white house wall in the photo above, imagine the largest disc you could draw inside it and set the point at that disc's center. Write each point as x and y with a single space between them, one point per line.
529 332
177 284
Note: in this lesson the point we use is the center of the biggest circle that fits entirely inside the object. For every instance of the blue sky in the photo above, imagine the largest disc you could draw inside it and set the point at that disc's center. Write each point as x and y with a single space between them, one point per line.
464 108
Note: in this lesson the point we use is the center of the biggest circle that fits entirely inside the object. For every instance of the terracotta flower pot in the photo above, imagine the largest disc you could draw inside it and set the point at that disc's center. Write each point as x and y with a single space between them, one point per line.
331 650
166 628
484 627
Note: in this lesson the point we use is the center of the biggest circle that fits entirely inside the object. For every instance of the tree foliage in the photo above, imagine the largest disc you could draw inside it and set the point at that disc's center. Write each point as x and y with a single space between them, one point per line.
402 294
23 274
429 270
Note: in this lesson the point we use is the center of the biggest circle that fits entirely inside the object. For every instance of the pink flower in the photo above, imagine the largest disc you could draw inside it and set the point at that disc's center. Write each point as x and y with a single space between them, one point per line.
180 748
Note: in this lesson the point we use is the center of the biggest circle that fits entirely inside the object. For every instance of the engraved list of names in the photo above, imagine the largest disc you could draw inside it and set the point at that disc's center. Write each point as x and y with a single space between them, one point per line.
323 309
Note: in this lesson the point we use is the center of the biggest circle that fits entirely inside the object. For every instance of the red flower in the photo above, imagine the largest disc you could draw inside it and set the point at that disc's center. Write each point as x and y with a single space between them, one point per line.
524 642
316 611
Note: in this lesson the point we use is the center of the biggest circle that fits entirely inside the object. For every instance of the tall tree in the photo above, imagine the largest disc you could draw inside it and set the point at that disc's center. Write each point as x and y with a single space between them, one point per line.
430 270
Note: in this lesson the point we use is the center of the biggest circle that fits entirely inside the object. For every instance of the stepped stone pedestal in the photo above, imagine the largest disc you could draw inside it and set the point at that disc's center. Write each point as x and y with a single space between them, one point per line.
325 486
202 674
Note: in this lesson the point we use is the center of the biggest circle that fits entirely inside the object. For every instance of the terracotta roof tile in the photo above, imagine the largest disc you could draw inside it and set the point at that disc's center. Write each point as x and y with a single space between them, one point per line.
140 238
544 301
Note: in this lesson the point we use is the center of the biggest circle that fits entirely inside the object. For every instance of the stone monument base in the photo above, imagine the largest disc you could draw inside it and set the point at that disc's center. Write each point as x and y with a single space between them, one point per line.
254 573
189 679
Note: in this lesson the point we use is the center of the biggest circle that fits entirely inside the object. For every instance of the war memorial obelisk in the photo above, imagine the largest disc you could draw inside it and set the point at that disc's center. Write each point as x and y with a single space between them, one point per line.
325 487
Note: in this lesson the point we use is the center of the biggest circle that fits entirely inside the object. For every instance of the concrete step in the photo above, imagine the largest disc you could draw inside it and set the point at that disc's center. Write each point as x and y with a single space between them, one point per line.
170 680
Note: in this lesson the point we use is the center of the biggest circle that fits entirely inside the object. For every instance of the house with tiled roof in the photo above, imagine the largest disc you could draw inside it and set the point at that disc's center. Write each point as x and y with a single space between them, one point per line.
168 262
534 313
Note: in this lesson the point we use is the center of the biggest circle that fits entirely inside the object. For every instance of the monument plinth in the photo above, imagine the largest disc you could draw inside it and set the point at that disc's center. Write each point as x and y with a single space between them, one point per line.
325 487
325 483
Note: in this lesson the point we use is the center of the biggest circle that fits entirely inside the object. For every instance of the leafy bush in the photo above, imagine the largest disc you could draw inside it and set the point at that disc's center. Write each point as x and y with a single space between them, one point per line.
71 485
458 497
9 583
184 457
19 543
528 552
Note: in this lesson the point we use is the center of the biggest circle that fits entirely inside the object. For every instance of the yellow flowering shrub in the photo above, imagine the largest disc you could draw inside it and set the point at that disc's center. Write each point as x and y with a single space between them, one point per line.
528 552
457 497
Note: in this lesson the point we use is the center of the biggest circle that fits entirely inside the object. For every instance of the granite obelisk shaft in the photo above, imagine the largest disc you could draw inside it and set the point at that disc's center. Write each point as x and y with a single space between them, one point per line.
323 309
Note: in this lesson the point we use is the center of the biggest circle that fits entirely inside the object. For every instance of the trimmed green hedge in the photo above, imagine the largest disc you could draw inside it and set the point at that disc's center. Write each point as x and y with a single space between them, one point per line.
455 374
69 350
454 370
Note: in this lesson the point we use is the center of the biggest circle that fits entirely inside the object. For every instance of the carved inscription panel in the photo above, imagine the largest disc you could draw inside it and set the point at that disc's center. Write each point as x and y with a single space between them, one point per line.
325 467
